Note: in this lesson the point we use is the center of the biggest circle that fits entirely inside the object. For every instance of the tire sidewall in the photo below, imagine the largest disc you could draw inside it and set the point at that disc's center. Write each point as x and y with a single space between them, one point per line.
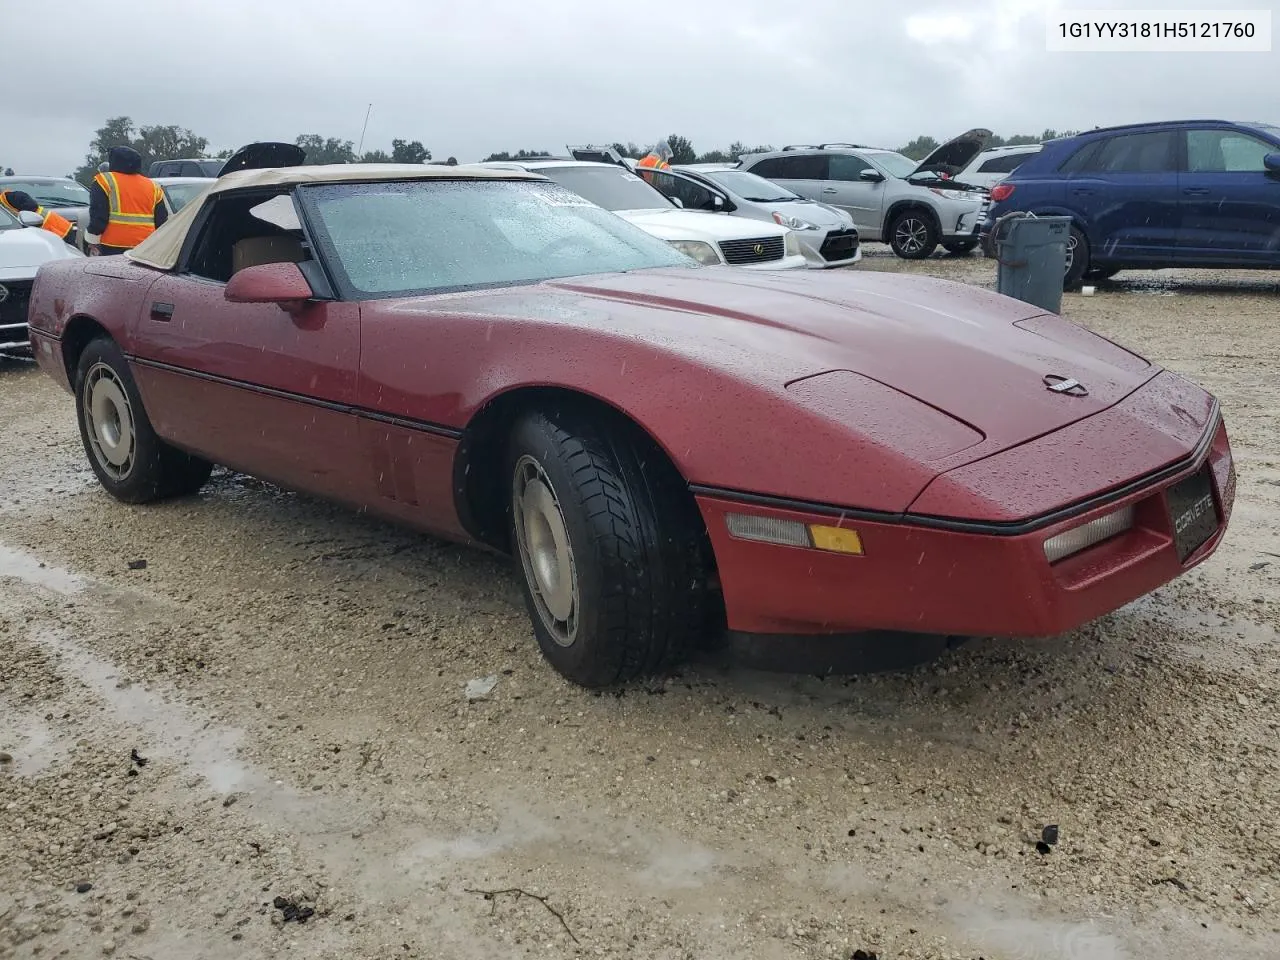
143 481
931 243
1080 260
581 661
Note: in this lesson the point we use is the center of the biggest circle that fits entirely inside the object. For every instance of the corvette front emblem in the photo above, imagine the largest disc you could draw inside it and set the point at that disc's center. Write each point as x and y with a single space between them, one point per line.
1065 385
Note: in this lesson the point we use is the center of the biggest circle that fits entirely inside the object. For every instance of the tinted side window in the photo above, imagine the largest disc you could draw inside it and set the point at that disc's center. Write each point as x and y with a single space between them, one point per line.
845 166
1006 163
792 168
693 195
1082 158
1226 151
1137 153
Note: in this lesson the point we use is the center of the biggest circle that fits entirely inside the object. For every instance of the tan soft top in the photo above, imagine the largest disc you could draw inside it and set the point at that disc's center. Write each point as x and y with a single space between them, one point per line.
161 249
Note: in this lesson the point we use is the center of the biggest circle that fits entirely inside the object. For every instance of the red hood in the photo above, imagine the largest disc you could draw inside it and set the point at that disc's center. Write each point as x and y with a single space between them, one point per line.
978 356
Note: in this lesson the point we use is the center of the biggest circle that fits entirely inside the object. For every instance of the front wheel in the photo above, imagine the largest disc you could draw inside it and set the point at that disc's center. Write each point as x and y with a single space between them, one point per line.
128 458
613 554
913 235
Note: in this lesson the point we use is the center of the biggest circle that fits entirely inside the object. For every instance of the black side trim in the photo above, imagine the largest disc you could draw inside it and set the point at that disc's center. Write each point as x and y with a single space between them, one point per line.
1004 528
439 429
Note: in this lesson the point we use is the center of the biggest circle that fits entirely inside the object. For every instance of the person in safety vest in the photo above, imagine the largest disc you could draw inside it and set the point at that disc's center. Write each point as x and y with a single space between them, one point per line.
125 207
655 159
17 201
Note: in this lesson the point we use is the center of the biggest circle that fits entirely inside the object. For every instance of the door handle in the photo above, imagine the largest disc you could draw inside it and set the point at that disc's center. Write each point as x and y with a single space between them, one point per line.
161 311
1196 191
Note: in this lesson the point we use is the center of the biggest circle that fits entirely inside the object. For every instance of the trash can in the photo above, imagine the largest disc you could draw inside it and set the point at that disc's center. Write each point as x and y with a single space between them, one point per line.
1032 255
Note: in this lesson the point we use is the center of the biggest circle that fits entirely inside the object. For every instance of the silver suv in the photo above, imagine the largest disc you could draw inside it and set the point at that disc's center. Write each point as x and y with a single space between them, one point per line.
912 206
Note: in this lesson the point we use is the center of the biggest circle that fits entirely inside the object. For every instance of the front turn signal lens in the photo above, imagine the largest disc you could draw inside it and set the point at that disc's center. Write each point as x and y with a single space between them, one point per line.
835 539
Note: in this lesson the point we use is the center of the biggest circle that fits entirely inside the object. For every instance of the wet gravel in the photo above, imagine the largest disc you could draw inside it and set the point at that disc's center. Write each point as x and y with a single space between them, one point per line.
268 740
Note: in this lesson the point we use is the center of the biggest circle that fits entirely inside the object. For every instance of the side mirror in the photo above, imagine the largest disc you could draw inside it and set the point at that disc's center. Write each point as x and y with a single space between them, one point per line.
1272 162
721 204
279 283
872 176
31 219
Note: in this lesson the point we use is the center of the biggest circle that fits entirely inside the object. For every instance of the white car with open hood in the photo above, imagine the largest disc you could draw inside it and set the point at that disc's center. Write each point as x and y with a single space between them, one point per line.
706 237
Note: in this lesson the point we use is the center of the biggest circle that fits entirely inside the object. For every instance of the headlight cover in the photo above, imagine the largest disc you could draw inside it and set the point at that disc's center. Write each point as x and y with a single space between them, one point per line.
792 223
698 250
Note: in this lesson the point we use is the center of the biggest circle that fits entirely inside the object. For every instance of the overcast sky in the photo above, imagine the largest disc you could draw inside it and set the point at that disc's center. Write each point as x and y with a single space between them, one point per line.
468 77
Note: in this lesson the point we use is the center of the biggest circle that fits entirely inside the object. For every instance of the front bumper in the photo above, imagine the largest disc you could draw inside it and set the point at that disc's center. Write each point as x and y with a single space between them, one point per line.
832 248
963 225
942 576
794 262
14 338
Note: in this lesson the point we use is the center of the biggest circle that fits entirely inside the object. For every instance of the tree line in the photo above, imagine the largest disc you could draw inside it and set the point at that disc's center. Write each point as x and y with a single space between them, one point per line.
171 142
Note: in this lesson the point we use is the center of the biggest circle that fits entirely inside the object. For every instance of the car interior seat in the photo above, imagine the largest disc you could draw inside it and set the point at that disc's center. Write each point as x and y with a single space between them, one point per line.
277 248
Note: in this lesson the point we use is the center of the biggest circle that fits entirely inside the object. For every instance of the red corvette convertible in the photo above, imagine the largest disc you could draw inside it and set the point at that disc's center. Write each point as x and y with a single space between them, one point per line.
668 448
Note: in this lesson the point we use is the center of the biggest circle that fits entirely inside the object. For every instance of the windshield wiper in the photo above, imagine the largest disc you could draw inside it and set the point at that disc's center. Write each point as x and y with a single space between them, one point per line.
60 202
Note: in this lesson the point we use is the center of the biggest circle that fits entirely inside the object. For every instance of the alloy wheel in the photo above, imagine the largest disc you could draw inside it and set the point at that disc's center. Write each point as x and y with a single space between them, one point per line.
542 540
911 235
109 418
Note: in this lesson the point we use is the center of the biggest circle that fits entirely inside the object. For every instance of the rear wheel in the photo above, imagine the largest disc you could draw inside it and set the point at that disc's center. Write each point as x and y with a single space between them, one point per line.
960 248
1077 259
913 235
612 549
128 458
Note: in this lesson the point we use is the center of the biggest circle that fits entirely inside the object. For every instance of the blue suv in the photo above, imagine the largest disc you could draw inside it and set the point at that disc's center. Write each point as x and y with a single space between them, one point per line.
1194 193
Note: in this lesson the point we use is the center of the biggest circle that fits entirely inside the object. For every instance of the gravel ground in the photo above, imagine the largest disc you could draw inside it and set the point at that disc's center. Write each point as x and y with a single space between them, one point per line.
274 706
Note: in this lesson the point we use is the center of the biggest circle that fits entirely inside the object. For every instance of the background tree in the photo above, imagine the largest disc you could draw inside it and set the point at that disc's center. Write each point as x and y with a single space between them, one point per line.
411 151
714 156
518 155
920 147
375 156
326 149
153 142
681 149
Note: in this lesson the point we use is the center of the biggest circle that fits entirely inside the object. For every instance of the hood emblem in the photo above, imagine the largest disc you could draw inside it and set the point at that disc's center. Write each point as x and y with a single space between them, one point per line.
759 248
1065 385
4 293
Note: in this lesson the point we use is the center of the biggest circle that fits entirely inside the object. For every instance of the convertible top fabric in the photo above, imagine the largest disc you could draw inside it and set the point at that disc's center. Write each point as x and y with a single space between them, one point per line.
161 249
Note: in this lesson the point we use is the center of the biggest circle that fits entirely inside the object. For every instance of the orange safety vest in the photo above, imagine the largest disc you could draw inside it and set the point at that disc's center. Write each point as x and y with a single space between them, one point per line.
132 200
55 223
653 160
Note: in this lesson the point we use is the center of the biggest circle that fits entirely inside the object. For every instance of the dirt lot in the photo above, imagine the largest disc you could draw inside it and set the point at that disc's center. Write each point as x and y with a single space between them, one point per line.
293 676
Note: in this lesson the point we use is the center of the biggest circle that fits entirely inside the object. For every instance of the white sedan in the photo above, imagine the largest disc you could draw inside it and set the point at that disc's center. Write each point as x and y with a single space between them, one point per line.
24 248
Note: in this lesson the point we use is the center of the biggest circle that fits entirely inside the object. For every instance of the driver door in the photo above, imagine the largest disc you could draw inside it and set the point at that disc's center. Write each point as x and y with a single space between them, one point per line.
249 385
846 190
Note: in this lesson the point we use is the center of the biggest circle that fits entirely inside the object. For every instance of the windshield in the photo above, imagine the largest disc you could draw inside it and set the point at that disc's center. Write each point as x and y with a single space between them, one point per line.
1268 128
749 186
898 165
610 187
436 236
180 194
51 193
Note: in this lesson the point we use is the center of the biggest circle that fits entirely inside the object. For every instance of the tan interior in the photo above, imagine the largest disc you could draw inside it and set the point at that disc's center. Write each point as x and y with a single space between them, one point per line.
255 251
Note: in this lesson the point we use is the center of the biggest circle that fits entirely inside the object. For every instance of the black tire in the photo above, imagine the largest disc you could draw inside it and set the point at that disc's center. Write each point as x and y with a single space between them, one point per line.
1077 259
1101 273
630 548
961 248
130 461
913 234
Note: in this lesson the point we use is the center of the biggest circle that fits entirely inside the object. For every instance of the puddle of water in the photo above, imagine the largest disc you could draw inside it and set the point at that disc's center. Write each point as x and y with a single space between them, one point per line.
171 730
1225 641
23 567
30 741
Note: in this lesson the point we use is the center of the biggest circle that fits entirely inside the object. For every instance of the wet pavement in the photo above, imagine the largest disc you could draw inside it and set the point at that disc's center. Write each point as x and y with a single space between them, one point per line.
295 676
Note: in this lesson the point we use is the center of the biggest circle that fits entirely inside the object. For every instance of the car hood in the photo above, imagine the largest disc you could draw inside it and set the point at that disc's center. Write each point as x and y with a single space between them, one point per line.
819 214
262 155
23 251
955 154
980 357
676 224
